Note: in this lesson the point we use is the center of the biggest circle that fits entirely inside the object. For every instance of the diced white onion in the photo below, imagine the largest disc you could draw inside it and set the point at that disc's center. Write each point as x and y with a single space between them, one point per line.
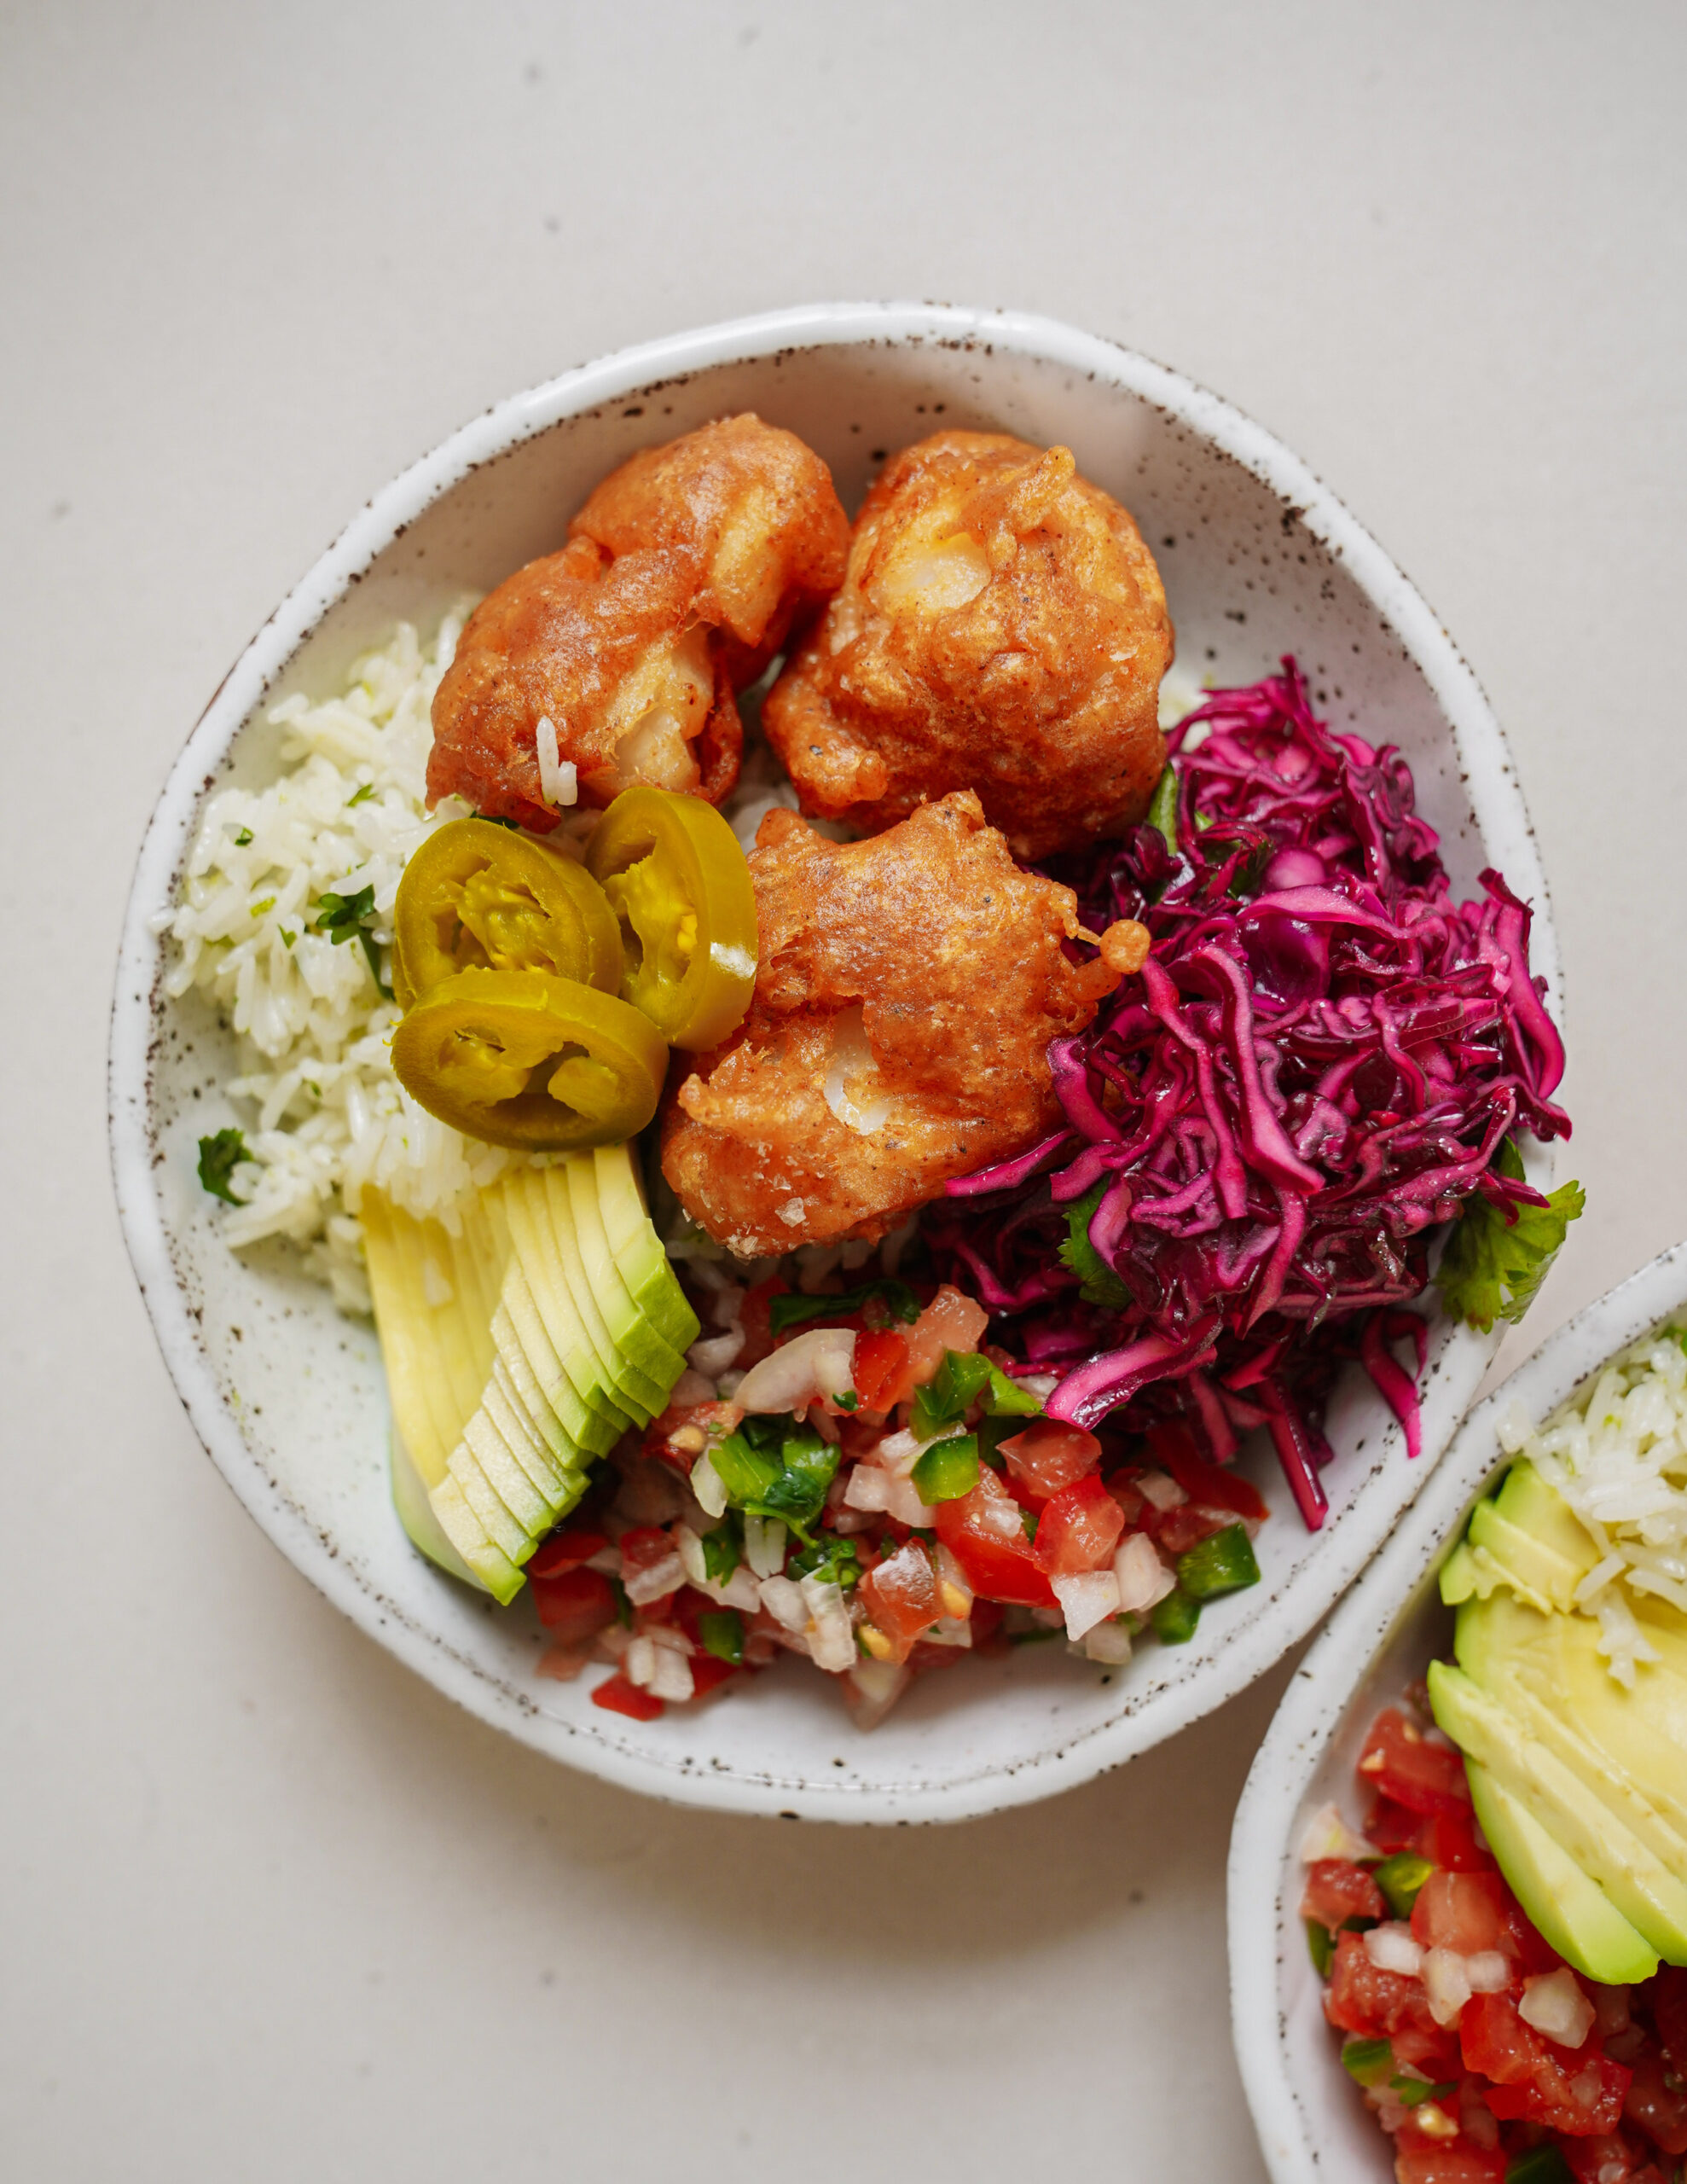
712 1355
708 1486
1161 1489
692 1387
1490 1973
559 781
868 1488
1554 2005
1086 1599
948 1630
822 1361
690 1554
764 1545
900 1452
640 1665
832 1639
1445 1982
655 1583
1391 1949
784 1601
1109 1642
1141 1576
1327 1835
876 1685
672 1678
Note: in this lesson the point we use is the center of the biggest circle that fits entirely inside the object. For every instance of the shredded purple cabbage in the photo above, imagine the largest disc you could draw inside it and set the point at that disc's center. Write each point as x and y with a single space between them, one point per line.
1314 1069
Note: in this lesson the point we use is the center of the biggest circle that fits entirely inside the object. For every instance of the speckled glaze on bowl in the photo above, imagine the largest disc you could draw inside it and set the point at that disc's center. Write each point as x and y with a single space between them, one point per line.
1258 558
1312 2124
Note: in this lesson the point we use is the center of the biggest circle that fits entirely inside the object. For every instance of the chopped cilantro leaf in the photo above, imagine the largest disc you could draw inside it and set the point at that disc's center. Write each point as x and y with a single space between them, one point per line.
1162 811
220 1154
1100 1285
268 904
1491 1269
243 839
348 917
721 1552
792 1311
360 795
837 1561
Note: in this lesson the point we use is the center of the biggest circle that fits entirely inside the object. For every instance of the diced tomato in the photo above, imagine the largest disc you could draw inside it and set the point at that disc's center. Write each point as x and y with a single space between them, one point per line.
1336 1891
566 1550
899 1598
708 1672
1657 2101
881 1368
1365 1999
1608 2158
950 1321
1391 1828
1449 1839
644 1547
714 1419
1420 2159
924 1656
618 1696
1048 1456
1179 1529
1208 1484
1129 1497
1079 1528
1578 2091
985 1532
575 1605
1668 1996
1465 1912
757 1321
986 1620
1404 1765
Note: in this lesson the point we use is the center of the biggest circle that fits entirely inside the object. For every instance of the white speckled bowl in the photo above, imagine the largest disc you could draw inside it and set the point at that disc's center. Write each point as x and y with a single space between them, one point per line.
1259 559
1312 2124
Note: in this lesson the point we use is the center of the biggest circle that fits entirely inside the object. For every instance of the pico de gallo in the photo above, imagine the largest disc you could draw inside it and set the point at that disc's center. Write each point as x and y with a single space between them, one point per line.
871 1486
1484 2057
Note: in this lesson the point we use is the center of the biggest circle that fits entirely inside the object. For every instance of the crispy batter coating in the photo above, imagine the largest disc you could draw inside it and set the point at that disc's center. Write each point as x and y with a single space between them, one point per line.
1002 627
681 577
908 988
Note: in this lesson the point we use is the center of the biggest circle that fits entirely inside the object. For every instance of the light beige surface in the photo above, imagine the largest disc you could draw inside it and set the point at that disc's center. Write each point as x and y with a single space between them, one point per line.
269 1907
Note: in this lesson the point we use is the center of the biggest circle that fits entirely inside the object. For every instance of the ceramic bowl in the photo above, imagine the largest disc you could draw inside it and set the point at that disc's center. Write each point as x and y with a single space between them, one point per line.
1311 2121
1259 560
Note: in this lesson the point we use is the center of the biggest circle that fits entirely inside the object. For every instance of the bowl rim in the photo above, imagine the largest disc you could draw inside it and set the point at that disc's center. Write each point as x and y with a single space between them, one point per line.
1264 1866
1496 802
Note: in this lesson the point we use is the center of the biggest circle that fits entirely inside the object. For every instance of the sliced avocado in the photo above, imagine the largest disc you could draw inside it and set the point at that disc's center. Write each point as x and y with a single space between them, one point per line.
1637 1881
501 1526
629 1329
423 1406
415 1513
650 1281
554 1480
506 1479
1629 1747
552 1299
532 1358
635 1391
1573 1912
494 1568
521 1391
1538 1542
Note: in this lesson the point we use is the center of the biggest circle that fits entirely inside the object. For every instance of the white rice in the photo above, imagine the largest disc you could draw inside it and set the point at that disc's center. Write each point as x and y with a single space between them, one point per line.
321 1110
1618 1454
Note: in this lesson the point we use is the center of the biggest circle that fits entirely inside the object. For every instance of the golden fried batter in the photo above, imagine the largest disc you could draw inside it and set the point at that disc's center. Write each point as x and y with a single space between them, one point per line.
908 988
681 576
1002 627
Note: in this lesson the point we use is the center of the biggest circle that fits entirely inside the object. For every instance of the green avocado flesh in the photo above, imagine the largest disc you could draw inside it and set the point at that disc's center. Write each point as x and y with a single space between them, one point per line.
517 1353
1579 1783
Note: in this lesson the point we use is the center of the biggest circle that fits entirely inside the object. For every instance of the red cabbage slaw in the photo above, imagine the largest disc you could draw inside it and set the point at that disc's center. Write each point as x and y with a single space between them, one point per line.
1315 1068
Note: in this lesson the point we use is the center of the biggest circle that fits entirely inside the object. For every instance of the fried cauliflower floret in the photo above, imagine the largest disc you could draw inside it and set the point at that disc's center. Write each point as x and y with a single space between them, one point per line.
908 989
681 577
1001 627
